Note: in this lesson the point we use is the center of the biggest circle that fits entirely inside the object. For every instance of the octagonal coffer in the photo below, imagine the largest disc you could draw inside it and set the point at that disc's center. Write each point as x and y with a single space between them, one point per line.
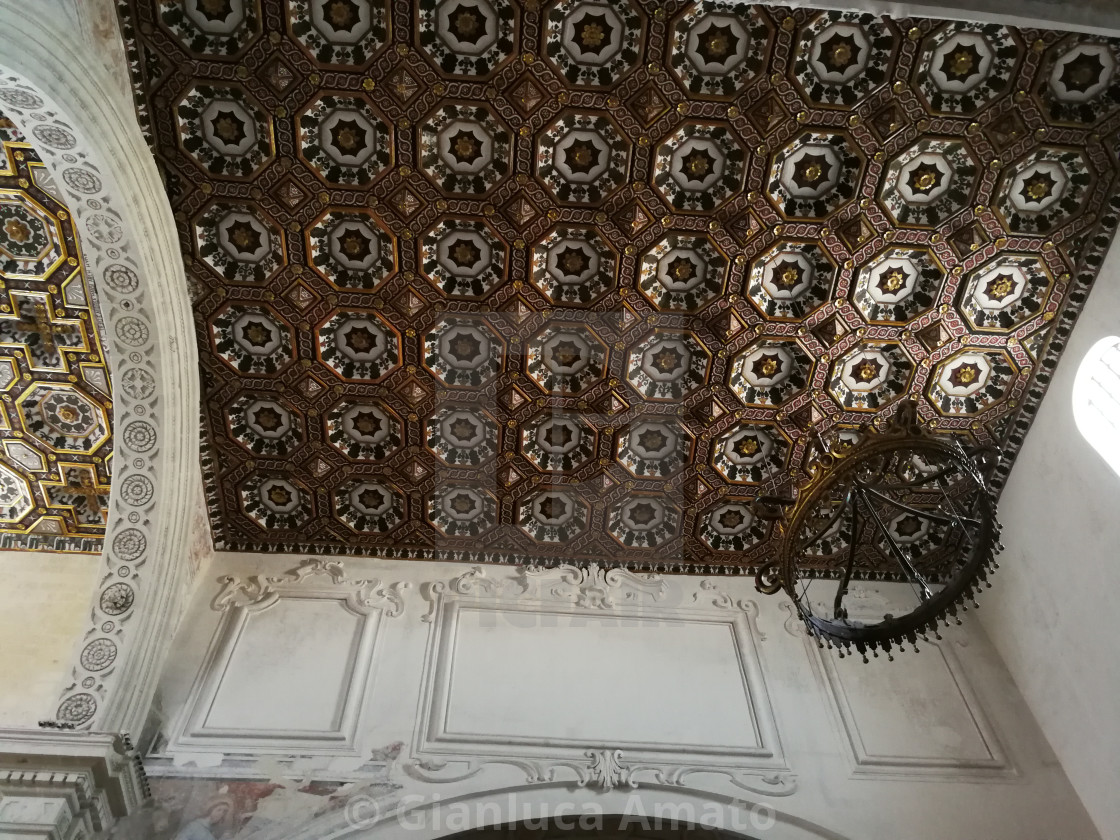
467 37
344 140
718 47
582 157
553 515
349 32
593 43
464 148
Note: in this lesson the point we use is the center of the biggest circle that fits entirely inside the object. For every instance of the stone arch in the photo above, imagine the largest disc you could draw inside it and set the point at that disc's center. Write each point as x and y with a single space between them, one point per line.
427 817
69 107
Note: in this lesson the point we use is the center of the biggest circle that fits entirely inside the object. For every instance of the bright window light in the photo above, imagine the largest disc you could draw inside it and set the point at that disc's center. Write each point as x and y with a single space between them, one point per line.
1096 399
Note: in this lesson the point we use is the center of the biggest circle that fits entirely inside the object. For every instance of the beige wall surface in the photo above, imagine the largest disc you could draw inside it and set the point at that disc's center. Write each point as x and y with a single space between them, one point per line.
44 604
1051 611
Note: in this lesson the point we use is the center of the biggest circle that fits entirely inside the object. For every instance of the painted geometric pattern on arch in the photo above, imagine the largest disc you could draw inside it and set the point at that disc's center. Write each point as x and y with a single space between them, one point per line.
515 280
55 396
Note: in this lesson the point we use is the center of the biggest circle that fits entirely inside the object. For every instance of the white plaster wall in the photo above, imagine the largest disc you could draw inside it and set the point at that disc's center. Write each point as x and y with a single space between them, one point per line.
475 682
44 600
1051 611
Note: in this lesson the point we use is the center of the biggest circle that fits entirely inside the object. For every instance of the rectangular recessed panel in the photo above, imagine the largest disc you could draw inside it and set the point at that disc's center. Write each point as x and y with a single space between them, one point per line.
562 678
915 710
289 668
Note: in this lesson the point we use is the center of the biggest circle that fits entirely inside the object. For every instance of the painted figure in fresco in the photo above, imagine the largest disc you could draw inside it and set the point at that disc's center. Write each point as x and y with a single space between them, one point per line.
209 826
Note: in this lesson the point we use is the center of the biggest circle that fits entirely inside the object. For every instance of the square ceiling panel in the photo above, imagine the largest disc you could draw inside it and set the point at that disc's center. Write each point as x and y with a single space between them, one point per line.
515 281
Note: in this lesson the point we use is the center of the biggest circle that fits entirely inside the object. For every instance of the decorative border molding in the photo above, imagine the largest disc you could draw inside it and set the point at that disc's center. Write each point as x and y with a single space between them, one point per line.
711 594
602 769
590 587
69 106
260 592
238 600
437 757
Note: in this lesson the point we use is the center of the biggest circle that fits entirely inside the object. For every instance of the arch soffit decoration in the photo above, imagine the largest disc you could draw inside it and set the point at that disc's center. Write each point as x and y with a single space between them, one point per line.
63 102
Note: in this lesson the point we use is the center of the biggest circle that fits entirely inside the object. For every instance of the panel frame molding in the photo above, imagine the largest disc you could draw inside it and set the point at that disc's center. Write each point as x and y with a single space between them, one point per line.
440 756
241 598
999 767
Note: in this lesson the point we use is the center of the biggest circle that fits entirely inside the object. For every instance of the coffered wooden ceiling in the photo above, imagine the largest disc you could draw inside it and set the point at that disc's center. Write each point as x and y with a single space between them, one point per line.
486 279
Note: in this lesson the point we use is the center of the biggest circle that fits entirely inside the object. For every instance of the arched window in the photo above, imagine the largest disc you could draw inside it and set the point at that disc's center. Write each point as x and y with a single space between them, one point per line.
1096 399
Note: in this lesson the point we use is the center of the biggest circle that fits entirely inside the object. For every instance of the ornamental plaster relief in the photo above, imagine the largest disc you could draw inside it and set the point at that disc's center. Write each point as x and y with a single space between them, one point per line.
67 103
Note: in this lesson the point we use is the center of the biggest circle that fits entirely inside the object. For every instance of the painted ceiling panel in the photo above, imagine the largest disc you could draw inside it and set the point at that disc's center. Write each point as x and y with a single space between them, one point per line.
55 397
488 280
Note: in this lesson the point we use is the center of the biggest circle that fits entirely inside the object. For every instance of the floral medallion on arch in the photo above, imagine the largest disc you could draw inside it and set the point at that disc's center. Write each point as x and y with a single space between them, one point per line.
239 243
644 521
842 56
364 431
682 273
581 157
347 32
213 27
574 266
1004 294
467 37
344 140
971 381
464 258
252 340
554 515
593 42
963 67
898 285
224 131
718 47
732 526
464 149
351 250
369 506
699 167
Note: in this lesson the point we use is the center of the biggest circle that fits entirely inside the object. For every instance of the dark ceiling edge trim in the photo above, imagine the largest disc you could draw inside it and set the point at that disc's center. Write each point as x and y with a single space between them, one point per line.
135 73
1100 241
